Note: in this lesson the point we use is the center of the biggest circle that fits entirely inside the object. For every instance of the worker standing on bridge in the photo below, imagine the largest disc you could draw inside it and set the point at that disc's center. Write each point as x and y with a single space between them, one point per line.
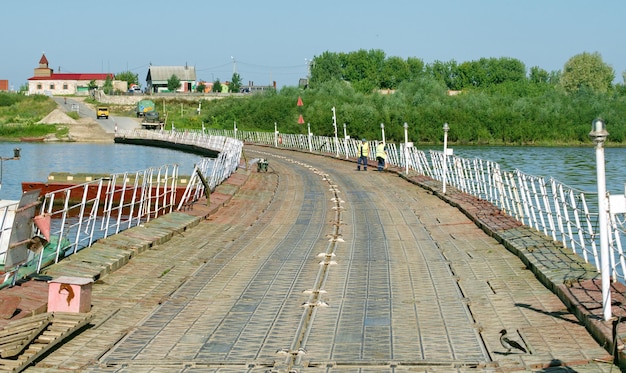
363 152
381 154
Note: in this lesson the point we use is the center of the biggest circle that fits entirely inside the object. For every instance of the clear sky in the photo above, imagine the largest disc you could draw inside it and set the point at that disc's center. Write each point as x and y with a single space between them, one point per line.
272 40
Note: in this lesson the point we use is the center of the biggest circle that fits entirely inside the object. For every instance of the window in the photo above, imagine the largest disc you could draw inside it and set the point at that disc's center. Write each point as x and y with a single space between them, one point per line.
65 86
39 86
51 85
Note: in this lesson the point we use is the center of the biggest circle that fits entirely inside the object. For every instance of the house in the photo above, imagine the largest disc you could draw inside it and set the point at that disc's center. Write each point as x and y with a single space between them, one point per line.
156 80
46 81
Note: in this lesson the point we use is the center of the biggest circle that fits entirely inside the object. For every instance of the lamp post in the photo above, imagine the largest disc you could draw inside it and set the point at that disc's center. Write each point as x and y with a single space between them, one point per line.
382 129
599 134
16 156
310 134
345 140
445 154
406 147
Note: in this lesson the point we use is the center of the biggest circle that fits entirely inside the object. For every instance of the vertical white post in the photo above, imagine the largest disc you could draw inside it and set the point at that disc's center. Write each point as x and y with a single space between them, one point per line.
445 155
275 135
235 128
406 147
382 129
345 140
310 134
335 126
599 134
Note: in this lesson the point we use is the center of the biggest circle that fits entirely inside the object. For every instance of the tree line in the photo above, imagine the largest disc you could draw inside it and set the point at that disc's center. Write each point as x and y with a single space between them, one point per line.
490 101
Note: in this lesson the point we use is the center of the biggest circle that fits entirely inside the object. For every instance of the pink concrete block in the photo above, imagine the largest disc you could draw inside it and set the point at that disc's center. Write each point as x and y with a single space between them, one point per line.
69 294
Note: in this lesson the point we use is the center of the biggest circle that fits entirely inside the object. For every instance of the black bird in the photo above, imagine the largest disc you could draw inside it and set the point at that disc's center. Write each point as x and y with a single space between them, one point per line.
509 343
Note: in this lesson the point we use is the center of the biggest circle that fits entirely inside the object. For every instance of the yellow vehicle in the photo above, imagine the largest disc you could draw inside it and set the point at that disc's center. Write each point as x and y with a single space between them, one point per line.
102 112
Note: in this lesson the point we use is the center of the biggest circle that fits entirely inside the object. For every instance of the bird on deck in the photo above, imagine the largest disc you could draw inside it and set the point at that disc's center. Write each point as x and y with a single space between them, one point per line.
508 343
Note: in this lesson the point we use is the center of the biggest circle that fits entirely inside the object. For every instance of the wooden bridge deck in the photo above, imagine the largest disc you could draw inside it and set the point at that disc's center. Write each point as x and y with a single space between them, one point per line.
313 266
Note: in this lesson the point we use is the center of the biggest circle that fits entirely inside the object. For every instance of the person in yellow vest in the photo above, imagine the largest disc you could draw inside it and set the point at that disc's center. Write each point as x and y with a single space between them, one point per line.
363 152
381 154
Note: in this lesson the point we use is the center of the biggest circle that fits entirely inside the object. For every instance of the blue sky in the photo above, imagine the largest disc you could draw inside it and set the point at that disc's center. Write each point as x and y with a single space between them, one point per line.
272 40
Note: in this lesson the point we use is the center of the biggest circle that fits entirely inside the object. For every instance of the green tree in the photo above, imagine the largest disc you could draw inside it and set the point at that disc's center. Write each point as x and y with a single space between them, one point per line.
235 83
217 86
92 85
416 67
394 71
587 71
108 85
173 83
325 68
200 87
538 75
448 73
128 77
363 69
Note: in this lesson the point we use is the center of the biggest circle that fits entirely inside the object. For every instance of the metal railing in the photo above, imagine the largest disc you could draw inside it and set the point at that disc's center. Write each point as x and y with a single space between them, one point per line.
562 213
80 215
7 216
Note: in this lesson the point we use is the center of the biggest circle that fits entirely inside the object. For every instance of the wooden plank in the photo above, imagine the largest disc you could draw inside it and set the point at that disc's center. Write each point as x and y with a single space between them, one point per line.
7 335
35 350
9 362
15 349
28 320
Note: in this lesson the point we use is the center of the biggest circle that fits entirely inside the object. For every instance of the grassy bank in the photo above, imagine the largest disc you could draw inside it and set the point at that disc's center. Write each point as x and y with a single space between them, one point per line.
19 115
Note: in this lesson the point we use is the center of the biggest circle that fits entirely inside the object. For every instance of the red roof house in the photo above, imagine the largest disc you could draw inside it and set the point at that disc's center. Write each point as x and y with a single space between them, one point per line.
45 81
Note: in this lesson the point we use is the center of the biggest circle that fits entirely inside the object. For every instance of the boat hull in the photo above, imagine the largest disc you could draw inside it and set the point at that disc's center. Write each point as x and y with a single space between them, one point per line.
90 192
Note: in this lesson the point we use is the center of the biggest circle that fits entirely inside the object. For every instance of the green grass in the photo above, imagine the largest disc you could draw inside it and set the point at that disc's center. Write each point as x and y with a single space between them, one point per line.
19 115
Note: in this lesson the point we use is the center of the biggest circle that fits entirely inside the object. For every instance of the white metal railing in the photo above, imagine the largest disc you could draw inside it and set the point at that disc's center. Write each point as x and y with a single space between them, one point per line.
82 214
553 208
7 216
212 171
561 212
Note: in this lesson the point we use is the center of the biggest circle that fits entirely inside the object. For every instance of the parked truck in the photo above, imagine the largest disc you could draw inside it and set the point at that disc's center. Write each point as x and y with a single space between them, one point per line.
153 121
145 106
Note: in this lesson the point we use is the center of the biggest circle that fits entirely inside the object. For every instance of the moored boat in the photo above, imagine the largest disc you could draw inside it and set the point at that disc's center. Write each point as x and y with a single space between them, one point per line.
59 181
33 139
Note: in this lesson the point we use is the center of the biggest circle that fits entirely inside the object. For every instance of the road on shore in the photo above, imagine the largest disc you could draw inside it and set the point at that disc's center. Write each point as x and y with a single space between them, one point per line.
87 111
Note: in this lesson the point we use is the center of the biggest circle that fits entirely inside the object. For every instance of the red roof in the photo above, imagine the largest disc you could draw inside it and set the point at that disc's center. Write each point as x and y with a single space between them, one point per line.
77 76
43 60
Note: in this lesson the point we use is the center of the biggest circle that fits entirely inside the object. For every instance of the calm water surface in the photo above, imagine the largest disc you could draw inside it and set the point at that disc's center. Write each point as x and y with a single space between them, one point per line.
573 166
40 159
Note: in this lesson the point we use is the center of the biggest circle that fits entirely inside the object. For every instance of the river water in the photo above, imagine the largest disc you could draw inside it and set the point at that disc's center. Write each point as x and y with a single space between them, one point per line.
573 166
37 160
